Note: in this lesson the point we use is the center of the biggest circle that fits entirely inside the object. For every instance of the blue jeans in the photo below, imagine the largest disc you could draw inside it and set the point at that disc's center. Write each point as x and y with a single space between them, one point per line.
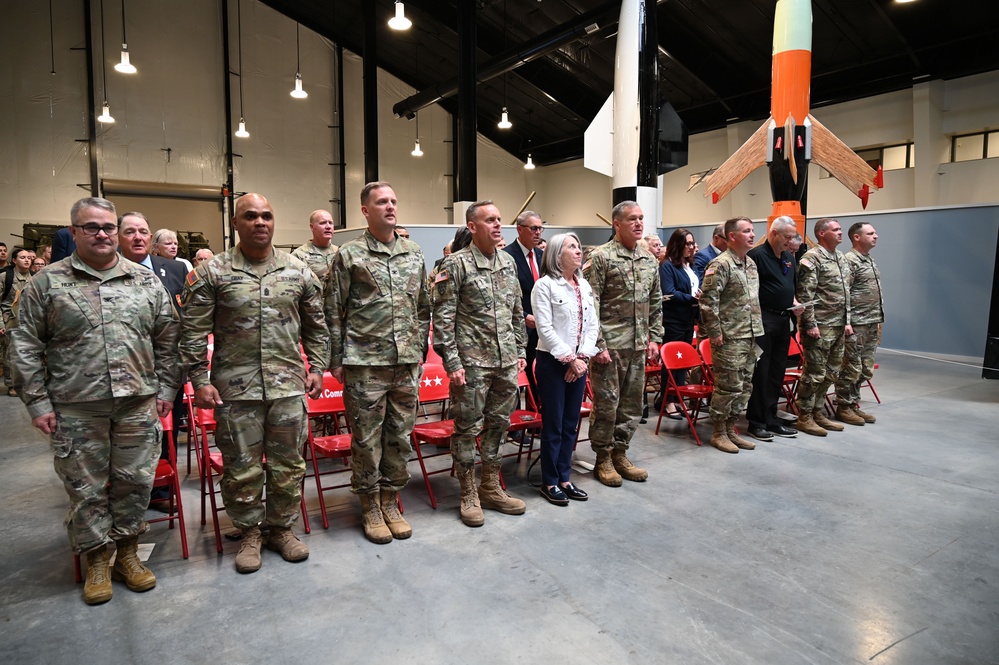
560 402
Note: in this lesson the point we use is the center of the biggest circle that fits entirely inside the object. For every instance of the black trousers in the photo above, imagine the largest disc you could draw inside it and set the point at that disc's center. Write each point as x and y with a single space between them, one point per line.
768 377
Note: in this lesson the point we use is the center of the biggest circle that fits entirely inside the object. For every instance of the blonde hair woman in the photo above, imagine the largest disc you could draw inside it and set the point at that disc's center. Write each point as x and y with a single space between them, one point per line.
165 245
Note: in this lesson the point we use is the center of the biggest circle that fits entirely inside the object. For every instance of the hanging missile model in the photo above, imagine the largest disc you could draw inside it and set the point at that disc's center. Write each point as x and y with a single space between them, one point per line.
791 137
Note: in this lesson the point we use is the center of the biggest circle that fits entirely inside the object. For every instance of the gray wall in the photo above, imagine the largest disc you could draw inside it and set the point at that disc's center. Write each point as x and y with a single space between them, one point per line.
937 267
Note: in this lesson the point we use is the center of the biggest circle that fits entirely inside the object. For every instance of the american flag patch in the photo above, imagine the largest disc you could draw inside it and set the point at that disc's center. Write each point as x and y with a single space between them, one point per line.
441 277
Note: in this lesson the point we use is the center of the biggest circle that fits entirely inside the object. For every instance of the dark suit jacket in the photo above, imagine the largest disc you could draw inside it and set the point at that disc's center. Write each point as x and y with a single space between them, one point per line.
172 273
62 244
702 259
526 280
681 310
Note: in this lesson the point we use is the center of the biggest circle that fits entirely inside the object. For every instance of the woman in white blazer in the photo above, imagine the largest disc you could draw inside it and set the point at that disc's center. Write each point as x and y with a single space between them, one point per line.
567 337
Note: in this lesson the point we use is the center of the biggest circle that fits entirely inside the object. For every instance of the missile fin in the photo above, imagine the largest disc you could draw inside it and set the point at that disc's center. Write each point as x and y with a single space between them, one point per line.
598 140
751 156
842 163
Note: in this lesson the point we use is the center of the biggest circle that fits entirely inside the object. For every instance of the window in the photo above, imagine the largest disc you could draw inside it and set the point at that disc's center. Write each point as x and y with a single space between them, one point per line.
889 157
981 145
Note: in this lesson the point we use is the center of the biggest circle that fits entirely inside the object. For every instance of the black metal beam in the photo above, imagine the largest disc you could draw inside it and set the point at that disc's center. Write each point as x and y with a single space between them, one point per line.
370 94
465 139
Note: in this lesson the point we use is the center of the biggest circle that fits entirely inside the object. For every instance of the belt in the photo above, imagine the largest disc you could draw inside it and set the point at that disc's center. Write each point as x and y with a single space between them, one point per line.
778 312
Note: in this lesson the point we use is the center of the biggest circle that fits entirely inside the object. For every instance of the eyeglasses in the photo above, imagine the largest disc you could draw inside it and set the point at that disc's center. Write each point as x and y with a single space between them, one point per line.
128 233
94 229
535 229
690 244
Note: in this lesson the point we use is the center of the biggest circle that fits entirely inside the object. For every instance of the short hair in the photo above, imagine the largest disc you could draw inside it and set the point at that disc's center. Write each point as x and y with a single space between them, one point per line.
823 224
856 228
367 189
474 208
782 223
90 202
163 235
618 211
134 213
526 215
3 244
316 212
732 224
676 245
17 252
719 232
551 260
462 239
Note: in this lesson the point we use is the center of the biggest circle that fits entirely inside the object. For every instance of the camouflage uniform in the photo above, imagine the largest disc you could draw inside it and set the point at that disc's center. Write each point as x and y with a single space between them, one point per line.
479 327
866 313
822 277
257 368
320 259
98 349
378 313
9 314
730 308
629 301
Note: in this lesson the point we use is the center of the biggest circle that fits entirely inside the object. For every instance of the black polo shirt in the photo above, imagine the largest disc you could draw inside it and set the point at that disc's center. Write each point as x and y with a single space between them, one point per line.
777 277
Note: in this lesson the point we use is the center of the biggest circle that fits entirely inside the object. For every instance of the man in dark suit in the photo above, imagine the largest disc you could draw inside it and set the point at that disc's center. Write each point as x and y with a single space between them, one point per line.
134 239
528 258
711 252
62 244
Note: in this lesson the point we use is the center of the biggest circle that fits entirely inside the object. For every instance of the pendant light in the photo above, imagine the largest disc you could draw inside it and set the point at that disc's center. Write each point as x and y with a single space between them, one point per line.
125 67
241 131
298 93
399 21
105 116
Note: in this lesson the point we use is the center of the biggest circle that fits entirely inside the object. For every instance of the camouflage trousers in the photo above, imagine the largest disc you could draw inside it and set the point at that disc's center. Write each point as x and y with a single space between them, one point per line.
618 399
6 360
482 407
381 410
734 362
106 454
823 358
858 363
247 431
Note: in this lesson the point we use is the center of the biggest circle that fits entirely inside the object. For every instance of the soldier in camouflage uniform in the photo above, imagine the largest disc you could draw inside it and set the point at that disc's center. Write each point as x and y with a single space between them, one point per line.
731 319
20 273
258 301
867 313
319 252
629 302
96 349
480 335
378 313
824 325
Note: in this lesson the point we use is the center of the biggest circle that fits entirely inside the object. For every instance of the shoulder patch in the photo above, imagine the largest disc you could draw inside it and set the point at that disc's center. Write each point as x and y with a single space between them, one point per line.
710 271
192 278
806 262
441 277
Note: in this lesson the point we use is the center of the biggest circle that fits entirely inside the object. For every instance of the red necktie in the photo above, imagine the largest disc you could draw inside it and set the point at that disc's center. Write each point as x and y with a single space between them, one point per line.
534 268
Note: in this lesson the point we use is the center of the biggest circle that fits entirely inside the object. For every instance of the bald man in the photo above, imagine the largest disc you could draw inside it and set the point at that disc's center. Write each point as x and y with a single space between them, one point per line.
319 252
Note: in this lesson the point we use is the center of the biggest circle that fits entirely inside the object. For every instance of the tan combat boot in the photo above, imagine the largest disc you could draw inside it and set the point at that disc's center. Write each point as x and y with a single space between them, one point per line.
819 416
282 540
624 467
97 587
129 569
734 437
396 523
471 510
868 418
248 557
719 438
846 415
604 469
371 517
808 425
493 496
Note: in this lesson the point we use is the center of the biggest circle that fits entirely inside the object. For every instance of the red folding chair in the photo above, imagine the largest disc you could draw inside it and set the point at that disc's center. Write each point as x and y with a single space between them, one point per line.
682 356
434 388
527 421
792 375
704 348
335 446
166 476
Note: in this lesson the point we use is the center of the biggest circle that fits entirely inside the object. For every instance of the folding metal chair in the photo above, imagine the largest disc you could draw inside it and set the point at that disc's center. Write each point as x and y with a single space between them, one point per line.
434 388
682 356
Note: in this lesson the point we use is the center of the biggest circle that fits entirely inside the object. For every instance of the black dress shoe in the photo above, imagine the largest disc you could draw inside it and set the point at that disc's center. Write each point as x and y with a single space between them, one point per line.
782 430
555 495
574 492
760 433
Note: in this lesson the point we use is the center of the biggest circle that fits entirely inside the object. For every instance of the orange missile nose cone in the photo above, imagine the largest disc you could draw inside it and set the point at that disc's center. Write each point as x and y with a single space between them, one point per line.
714 197
879 180
864 194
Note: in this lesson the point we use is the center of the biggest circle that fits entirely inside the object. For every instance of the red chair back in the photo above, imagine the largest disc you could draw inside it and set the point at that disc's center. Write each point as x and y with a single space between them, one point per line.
330 400
679 355
435 385
705 350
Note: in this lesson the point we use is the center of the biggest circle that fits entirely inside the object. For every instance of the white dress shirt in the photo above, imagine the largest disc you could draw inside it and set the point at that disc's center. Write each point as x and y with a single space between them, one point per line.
556 314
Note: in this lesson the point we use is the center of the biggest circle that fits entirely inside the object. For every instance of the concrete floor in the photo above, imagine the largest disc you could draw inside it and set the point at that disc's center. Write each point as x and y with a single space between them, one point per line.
874 545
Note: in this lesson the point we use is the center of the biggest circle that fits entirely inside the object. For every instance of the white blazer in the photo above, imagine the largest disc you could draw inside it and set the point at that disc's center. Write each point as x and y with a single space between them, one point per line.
556 317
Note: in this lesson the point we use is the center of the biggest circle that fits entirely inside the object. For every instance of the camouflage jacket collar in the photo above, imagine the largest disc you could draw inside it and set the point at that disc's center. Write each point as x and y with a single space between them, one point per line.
277 261
618 248
863 257
735 258
402 245
122 268
483 262
834 255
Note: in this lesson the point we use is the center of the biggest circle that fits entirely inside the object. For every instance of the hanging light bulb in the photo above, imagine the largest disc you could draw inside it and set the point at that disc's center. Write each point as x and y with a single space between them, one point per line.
530 163
399 21
105 115
298 93
416 151
125 67
504 122
241 132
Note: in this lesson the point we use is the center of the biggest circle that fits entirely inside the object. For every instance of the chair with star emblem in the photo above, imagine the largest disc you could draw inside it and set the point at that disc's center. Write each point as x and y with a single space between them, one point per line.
434 389
692 398
328 439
